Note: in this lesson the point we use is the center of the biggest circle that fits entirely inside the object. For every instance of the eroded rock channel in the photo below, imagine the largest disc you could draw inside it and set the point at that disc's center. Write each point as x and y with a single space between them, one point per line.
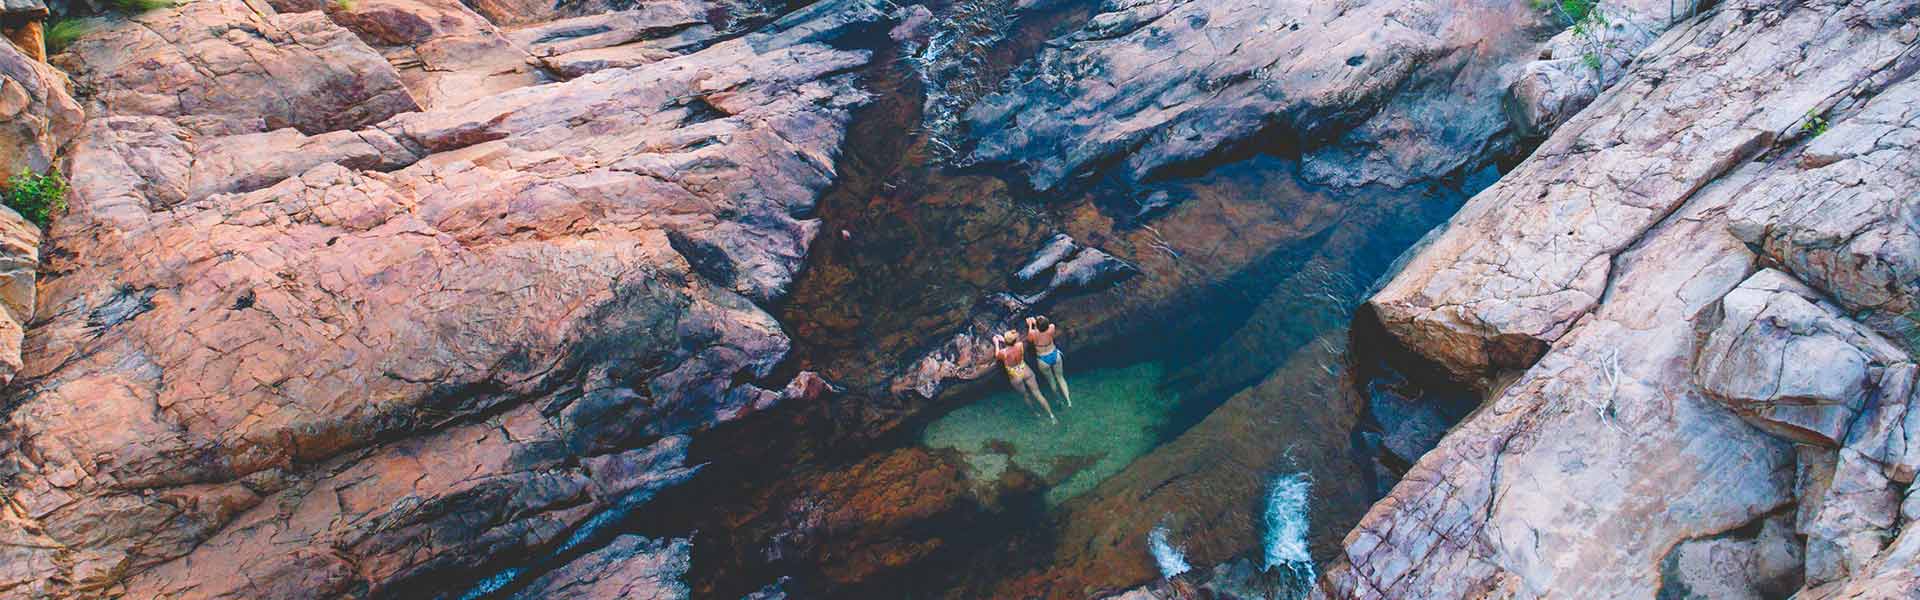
603 299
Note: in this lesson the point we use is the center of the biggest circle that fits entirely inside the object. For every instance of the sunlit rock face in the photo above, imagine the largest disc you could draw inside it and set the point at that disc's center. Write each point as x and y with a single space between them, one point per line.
305 339
1649 373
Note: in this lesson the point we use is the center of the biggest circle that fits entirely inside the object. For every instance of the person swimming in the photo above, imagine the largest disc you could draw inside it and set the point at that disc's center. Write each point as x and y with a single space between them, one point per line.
1040 332
1013 357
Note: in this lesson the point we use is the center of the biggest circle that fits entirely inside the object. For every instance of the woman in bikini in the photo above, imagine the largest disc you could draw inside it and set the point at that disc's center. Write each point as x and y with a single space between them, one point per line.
1013 356
1040 332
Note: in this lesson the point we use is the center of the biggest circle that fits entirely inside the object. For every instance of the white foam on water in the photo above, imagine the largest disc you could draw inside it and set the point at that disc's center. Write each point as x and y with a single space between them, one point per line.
1172 560
1285 537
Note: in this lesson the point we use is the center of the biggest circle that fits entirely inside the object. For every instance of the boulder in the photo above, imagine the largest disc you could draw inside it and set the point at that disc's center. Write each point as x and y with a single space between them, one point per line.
1583 60
1791 365
444 52
631 567
37 116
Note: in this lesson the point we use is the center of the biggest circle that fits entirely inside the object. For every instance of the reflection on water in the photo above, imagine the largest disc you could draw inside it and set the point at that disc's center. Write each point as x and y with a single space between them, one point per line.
1117 417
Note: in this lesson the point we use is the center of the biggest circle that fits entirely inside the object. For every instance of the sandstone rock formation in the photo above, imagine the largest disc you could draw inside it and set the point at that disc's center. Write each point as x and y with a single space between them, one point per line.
1604 292
37 119
630 567
19 262
377 345
37 116
1157 84
1499 286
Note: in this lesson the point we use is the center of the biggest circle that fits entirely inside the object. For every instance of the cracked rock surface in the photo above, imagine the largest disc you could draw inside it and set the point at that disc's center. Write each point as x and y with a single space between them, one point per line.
302 339
1655 389
1527 258
1155 84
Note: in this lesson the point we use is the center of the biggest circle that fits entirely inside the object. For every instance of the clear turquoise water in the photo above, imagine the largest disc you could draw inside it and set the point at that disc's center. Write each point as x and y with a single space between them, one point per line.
1116 417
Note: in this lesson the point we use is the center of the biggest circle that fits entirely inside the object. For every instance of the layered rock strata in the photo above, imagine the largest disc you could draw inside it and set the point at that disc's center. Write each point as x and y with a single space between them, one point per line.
301 339
1653 387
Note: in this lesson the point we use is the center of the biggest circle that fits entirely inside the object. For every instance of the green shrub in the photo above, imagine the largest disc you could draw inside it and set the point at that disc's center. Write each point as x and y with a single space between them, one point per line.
1814 125
63 32
36 197
138 6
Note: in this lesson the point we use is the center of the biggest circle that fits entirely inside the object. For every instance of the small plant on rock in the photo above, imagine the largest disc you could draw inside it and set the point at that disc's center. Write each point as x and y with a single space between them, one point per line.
36 197
345 5
1587 19
134 7
63 32
1814 125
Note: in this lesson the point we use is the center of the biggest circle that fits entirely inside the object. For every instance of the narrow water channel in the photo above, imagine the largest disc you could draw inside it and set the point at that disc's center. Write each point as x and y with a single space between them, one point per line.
1214 414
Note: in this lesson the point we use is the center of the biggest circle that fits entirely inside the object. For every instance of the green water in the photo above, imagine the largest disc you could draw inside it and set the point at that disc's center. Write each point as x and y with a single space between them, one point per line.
1114 419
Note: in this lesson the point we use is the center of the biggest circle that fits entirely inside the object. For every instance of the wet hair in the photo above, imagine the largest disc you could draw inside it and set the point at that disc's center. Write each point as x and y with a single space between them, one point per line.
1041 323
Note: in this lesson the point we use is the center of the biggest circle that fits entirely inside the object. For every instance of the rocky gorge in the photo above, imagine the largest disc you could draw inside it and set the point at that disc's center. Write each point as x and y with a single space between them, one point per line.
664 299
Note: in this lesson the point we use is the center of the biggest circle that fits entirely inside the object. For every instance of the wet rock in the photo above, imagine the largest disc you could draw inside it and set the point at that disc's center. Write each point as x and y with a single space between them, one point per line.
1789 364
37 116
855 520
434 344
1529 257
872 527
966 355
1409 426
1057 248
915 23
631 567
1062 267
773 591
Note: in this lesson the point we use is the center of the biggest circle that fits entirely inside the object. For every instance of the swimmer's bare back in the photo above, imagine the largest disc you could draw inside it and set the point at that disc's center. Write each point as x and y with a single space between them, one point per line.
1042 338
1011 355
